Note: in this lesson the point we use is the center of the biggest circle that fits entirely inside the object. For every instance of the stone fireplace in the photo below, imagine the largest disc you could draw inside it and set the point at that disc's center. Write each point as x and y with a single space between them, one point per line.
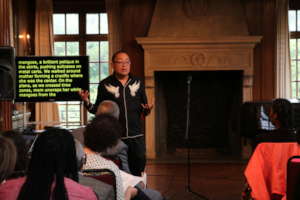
175 43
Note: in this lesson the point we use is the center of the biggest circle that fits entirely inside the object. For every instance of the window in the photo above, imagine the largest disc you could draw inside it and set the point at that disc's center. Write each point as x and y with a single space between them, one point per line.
82 33
294 28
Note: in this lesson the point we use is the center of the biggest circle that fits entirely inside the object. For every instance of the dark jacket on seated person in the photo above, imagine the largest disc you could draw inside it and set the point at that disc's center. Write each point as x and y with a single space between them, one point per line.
277 135
280 117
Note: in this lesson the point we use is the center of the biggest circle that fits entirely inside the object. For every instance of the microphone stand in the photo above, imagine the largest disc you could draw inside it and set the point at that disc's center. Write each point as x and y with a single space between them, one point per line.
188 187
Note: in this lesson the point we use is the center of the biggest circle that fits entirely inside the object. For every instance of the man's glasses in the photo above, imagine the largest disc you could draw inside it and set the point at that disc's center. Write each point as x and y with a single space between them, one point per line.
122 63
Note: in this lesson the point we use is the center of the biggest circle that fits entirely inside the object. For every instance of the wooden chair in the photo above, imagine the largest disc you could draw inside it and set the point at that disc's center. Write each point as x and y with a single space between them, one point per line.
293 178
104 175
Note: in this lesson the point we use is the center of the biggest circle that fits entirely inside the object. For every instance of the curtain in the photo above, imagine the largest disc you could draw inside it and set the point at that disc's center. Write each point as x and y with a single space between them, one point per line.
114 26
6 23
283 69
6 39
46 113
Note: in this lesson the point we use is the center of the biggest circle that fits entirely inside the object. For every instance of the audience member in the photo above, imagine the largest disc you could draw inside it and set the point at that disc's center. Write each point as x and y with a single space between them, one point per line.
52 171
22 151
108 107
104 132
103 190
280 114
281 117
8 157
119 151
266 169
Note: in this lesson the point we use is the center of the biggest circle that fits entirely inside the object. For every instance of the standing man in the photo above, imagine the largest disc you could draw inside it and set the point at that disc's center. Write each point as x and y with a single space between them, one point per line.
129 93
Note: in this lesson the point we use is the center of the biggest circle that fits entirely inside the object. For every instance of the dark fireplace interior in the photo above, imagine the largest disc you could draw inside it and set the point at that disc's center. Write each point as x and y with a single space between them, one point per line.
215 102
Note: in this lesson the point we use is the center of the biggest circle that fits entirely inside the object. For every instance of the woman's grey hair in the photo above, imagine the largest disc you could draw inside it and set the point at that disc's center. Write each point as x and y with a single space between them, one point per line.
108 107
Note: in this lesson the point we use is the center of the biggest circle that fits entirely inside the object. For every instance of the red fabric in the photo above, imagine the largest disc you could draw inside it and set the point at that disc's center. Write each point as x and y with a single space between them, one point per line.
266 170
11 188
106 178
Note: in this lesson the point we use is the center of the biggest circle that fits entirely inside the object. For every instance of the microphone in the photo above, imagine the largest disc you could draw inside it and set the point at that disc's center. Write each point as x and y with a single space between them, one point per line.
189 79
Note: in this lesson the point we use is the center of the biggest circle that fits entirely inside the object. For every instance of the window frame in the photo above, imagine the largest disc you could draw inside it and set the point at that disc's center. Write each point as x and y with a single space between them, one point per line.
82 38
294 5
295 35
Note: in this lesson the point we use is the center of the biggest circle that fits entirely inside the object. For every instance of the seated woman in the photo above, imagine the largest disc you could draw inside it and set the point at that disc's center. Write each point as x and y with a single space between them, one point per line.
8 157
281 118
266 170
102 189
52 171
102 133
280 113
119 151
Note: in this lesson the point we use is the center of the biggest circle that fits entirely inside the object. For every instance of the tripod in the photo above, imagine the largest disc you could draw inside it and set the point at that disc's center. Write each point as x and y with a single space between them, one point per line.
188 186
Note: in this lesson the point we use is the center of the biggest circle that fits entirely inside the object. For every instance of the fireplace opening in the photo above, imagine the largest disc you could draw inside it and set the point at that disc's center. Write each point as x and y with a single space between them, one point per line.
215 102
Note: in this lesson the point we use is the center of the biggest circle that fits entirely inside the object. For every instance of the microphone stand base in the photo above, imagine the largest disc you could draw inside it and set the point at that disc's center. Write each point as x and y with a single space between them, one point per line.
200 196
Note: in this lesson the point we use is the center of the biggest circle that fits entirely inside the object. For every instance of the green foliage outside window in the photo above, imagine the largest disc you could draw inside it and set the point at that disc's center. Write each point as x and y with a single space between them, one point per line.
67 25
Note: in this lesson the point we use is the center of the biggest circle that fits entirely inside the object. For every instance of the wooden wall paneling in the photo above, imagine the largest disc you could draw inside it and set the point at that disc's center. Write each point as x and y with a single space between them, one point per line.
5 115
254 10
6 39
268 50
136 18
261 21
24 18
294 4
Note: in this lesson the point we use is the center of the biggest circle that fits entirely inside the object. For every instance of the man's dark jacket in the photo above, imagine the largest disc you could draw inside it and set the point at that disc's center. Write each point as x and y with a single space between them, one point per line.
129 98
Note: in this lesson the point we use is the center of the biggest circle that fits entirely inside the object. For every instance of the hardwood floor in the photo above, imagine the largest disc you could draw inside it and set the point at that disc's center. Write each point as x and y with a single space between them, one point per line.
218 181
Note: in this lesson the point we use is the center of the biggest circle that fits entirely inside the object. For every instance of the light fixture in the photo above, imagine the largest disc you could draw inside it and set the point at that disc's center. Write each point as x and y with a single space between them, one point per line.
25 37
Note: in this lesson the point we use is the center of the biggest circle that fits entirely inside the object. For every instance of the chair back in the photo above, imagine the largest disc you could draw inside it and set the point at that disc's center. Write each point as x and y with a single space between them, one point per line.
293 178
104 175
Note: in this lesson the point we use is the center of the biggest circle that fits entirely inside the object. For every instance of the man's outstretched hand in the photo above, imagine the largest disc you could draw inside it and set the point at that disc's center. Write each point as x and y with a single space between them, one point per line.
84 95
147 108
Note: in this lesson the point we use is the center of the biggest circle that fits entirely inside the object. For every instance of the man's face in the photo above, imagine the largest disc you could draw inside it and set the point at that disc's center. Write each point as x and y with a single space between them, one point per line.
121 64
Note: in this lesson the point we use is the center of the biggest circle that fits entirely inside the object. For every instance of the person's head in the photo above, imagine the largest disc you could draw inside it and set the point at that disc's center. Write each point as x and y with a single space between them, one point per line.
108 107
280 113
53 158
103 132
8 157
22 149
121 63
80 154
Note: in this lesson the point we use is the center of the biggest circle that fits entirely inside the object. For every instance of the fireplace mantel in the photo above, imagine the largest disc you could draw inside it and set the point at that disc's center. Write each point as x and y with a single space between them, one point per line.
194 54
195 40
